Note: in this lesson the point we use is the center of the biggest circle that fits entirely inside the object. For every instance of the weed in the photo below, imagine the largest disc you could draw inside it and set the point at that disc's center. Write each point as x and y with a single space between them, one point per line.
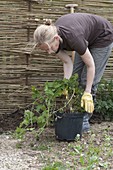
19 133
19 145
55 166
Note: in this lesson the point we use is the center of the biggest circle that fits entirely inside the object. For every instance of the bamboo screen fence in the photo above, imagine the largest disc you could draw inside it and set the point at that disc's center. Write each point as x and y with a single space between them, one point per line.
19 69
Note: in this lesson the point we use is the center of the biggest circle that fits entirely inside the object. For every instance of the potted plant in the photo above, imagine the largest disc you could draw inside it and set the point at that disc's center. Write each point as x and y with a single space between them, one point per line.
58 102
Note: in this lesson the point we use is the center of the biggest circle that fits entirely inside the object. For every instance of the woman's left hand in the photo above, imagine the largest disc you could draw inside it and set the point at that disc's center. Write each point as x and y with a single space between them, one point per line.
87 102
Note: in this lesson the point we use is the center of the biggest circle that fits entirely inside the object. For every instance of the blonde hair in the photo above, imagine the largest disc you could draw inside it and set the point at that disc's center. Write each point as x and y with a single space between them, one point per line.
44 33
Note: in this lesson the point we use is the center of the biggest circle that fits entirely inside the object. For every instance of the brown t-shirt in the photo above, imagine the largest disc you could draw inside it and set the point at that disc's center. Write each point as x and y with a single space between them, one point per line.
82 30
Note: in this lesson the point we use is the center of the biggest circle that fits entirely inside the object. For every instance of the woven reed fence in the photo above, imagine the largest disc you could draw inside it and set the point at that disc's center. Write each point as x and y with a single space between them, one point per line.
19 69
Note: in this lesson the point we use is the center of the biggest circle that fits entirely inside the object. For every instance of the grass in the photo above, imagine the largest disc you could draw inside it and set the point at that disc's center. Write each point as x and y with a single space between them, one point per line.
93 152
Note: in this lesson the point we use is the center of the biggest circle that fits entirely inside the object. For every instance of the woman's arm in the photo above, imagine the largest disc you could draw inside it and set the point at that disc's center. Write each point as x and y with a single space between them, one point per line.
88 60
87 99
67 63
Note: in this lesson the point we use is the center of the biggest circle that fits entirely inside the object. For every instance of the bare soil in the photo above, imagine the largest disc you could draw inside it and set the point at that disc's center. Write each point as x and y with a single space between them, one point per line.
32 154
9 122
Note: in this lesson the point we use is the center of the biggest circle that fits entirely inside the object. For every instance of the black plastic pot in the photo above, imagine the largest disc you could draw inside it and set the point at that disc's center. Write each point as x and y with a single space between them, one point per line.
68 125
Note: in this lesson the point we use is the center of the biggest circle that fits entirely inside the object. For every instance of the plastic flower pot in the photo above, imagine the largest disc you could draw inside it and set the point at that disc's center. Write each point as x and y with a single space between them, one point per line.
68 125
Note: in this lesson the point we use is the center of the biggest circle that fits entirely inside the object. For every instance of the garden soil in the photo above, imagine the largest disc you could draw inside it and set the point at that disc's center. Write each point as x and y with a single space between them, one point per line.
31 154
9 122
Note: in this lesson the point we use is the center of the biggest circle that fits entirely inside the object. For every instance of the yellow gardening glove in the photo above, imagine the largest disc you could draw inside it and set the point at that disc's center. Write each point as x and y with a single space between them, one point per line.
87 102
65 93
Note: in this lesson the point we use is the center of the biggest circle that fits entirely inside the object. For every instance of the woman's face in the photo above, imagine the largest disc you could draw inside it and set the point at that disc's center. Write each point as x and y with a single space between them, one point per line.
51 47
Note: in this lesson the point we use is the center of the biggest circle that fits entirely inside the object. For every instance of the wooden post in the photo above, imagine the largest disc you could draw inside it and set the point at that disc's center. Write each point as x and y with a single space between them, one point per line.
72 7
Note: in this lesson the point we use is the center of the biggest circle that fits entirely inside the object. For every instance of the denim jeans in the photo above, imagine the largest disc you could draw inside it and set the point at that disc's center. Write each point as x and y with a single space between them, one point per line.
86 125
100 56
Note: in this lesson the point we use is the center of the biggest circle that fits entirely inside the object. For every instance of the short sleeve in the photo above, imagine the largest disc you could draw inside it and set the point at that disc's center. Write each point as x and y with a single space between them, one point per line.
78 44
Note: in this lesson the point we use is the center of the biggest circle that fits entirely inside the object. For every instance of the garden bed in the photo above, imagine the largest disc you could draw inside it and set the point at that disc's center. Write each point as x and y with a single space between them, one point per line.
94 151
9 122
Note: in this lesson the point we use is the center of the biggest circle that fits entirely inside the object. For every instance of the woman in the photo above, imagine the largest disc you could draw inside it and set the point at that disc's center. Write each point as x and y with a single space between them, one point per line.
91 37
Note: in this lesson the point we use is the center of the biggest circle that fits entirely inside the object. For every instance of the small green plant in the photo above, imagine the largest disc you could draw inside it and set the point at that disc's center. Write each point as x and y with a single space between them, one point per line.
19 145
29 120
26 124
55 166
40 147
92 154
19 133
